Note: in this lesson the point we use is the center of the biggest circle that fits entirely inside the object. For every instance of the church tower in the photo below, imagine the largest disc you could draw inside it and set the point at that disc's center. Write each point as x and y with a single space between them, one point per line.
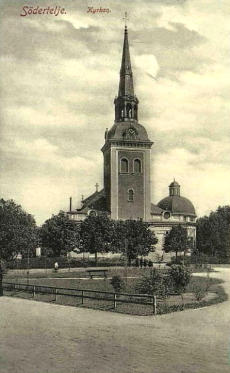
127 182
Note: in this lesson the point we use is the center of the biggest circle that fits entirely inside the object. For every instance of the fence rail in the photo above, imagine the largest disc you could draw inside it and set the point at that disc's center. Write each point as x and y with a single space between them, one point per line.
115 298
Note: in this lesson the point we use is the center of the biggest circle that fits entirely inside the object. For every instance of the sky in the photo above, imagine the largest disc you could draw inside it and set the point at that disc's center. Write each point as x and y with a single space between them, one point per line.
59 77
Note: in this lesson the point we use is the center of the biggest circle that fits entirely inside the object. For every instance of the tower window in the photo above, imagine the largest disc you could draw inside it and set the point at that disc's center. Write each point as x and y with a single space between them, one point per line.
137 166
129 110
135 111
130 195
124 165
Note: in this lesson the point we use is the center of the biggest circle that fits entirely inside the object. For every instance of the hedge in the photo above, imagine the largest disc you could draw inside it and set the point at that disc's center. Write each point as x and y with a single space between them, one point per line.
42 263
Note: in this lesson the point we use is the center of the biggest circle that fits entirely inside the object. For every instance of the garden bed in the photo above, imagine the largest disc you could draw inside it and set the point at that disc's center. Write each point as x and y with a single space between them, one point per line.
173 303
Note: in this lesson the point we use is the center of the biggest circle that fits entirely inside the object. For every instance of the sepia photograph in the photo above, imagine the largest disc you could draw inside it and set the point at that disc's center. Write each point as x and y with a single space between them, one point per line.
115 186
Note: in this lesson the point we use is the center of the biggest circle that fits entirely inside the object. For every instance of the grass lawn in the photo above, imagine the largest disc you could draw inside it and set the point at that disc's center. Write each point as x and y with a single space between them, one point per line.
79 280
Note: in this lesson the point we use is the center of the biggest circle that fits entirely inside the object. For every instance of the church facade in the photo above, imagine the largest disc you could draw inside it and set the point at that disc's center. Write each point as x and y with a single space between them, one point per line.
127 171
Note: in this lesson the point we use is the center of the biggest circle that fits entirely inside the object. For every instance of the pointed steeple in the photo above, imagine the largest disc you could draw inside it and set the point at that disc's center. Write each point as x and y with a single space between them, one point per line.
126 74
126 104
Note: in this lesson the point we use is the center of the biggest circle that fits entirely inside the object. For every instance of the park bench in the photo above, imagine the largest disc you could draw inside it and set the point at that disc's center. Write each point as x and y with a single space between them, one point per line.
97 272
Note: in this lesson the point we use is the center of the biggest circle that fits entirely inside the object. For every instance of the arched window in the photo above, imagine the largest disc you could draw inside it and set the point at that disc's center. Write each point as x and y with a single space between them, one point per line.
129 110
130 195
135 111
124 165
137 166
92 213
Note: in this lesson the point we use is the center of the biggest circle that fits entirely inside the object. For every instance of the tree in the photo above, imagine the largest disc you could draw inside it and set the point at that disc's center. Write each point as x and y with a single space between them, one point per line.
3 270
133 238
59 234
213 233
18 234
180 276
18 231
176 240
97 234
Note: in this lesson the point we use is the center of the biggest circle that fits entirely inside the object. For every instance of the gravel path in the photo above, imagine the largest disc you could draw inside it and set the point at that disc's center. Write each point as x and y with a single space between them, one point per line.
46 338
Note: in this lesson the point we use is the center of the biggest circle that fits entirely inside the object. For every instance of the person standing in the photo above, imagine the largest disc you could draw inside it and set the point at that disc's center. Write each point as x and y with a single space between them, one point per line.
56 266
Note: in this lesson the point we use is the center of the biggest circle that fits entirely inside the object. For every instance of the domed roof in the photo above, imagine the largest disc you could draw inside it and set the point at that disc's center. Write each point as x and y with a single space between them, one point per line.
120 130
177 205
174 184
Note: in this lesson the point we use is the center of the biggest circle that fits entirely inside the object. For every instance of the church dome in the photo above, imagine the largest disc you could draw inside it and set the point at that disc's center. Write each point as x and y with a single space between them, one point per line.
174 184
177 205
127 131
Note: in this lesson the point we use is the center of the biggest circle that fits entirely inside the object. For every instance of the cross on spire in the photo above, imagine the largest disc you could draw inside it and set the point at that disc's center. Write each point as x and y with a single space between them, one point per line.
126 19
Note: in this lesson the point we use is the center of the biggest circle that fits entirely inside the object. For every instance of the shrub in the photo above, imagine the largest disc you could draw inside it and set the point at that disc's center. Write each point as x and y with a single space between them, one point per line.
199 293
180 260
180 277
154 284
150 263
117 283
202 259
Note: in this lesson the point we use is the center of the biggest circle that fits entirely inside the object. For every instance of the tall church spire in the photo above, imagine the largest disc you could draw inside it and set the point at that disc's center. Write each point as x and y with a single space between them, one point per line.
126 74
126 104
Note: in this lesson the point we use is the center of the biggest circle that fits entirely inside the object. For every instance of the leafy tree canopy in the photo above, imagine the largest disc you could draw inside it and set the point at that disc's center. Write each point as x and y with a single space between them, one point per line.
97 234
18 231
213 233
176 240
59 234
134 238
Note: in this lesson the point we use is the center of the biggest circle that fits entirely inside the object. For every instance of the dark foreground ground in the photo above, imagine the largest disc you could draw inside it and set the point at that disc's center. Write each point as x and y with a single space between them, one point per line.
43 338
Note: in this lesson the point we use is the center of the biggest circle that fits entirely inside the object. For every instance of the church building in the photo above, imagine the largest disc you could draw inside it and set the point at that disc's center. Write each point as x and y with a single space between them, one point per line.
127 171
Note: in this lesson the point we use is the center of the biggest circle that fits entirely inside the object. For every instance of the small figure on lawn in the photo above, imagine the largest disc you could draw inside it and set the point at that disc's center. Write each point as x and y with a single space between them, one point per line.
141 262
145 263
56 266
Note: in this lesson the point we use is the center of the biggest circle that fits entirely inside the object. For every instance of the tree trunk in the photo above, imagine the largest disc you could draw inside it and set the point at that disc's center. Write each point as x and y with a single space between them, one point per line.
176 255
1 287
96 258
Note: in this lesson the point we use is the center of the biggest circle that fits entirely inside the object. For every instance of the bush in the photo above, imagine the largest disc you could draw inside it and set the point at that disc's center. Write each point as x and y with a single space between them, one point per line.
117 283
199 293
200 259
154 284
180 277
181 260
64 262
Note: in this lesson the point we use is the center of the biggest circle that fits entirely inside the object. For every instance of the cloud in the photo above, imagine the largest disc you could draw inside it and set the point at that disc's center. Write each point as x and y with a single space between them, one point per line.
207 179
59 77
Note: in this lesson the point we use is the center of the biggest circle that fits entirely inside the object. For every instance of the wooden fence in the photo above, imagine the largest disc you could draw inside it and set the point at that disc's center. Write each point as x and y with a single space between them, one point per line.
115 298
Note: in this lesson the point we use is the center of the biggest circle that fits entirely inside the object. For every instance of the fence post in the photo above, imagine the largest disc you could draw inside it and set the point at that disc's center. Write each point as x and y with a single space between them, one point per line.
115 301
56 293
33 291
154 304
82 296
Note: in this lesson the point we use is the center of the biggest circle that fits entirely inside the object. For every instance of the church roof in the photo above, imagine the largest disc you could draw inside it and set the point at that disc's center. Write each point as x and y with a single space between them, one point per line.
155 210
96 201
174 184
177 205
118 130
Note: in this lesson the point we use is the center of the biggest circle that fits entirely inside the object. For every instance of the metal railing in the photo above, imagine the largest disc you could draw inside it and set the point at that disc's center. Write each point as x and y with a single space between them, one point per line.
115 298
